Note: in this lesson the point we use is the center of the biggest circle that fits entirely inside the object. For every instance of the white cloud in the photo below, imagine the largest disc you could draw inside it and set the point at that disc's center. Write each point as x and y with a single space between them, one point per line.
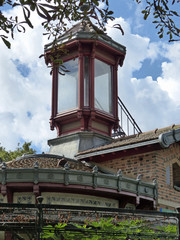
169 81
25 101
152 102
155 50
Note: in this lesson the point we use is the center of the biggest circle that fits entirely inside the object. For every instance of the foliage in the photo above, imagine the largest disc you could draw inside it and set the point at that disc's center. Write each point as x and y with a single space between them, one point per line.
166 16
55 14
109 229
10 155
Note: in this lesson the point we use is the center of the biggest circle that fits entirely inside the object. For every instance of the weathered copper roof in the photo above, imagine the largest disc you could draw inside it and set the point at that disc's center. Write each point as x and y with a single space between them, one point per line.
87 30
83 26
133 139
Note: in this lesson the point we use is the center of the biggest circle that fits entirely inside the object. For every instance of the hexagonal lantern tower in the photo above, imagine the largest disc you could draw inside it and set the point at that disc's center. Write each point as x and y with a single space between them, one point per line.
84 99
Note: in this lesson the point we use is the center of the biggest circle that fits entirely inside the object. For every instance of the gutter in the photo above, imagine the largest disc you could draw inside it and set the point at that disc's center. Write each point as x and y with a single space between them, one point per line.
164 139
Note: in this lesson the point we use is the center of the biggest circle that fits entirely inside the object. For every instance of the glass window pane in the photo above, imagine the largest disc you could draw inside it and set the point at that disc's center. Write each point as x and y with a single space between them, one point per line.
103 86
68 87
86 81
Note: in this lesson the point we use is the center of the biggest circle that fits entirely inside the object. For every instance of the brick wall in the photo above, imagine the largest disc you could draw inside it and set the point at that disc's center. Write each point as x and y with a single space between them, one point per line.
157 164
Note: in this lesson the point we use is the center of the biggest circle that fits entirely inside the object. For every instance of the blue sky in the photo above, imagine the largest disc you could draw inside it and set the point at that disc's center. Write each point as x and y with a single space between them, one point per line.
148 81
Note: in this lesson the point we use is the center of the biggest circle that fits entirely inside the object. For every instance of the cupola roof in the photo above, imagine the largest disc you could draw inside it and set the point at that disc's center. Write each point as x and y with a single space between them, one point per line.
86 30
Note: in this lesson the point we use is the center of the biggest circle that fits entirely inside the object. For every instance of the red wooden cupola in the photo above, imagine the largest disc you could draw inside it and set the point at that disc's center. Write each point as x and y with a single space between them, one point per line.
85 98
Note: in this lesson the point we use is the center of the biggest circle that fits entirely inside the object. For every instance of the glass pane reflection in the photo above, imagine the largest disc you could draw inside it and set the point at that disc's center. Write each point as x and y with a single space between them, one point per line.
68 87
103 86
86 81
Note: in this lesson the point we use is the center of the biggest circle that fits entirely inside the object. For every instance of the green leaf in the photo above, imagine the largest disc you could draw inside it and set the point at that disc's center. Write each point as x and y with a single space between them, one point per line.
1 2
41 14
45 12
170 36
27 16
110 12
8 44
175 13
155 21
144 11
21 28
33 7
118 26
22 2
145 16
15 4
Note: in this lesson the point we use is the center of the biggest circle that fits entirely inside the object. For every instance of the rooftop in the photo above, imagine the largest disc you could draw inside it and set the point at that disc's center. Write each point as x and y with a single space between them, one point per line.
47 161
87 30
163 136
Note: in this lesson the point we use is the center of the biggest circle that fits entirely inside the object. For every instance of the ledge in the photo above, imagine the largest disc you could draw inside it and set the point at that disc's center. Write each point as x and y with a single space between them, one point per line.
66 176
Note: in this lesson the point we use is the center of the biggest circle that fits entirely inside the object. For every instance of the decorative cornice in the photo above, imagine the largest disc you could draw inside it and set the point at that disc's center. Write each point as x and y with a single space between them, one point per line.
92 179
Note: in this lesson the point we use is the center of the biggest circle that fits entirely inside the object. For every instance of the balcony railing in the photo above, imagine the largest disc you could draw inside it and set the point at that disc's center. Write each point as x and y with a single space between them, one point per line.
127 124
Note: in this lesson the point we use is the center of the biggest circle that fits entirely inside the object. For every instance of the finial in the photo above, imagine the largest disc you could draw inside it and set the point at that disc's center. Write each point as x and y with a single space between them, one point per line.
40 199
4 165
139 176
154 181
178 209
66 166
36 165
85 8
119 173
95 169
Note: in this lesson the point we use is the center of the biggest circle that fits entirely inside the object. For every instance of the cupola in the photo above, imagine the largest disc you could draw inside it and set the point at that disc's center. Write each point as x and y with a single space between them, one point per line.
84 97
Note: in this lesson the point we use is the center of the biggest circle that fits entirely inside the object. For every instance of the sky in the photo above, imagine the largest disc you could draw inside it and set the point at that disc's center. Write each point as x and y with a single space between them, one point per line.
148 81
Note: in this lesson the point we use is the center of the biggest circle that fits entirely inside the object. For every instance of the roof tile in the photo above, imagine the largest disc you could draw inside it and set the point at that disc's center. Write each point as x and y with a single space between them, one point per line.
137 138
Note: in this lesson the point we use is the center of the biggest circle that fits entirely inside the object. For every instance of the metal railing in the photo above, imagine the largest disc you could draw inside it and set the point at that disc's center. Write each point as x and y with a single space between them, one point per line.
33 219
128 125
